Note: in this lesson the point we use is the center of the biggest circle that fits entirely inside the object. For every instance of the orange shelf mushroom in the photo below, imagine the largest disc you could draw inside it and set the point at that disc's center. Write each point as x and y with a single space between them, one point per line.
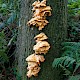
35 58
40 11
33 72
41 47
40 37
33 64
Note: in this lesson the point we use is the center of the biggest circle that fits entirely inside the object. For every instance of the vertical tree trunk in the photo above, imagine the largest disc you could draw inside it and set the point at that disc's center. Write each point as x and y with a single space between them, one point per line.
56 31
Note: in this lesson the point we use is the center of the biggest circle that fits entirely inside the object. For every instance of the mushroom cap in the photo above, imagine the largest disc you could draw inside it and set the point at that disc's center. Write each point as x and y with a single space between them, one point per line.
41 44
35 58
31 58
33 72
41 52
40 11
38 22
39 4
40 37
41 47
35 3
31 65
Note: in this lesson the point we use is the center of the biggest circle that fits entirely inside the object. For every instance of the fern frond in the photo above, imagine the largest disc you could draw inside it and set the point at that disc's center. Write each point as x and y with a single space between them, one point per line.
69 48
67 72
65 61
70 56
76 67
70 44
76 77
67 53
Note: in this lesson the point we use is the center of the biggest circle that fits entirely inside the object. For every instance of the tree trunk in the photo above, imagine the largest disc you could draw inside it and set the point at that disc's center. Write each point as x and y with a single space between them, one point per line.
56 31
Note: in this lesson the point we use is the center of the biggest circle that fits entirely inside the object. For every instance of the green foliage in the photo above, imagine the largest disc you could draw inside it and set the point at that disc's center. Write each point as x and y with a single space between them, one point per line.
73 7
70 57
9 13
73 20
12 18
77 77
18 77
3 43
65 61
71 49
9 9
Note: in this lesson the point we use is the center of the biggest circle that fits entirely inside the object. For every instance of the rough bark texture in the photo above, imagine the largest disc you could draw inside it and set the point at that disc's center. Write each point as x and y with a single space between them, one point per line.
56 31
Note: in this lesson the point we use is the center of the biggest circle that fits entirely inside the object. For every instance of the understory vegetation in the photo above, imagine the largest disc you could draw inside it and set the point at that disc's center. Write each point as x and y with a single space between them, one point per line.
69 61
9 13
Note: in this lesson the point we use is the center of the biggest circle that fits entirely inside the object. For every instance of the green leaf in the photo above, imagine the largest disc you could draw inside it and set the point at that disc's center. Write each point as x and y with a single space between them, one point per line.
11 18
76 77
64 61
4 56
77 66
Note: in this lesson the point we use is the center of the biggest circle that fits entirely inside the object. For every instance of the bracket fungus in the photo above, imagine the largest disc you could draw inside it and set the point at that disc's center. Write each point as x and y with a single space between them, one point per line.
33 72
41 47
40 11
40 37
35 58
33 64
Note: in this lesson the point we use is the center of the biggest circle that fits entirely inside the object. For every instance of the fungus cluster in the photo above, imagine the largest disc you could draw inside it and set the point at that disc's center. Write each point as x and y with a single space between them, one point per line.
41 45
33 64
40 11
34 60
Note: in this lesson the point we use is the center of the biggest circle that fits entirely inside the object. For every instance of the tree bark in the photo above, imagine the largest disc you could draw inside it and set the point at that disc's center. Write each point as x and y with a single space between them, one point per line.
56 31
